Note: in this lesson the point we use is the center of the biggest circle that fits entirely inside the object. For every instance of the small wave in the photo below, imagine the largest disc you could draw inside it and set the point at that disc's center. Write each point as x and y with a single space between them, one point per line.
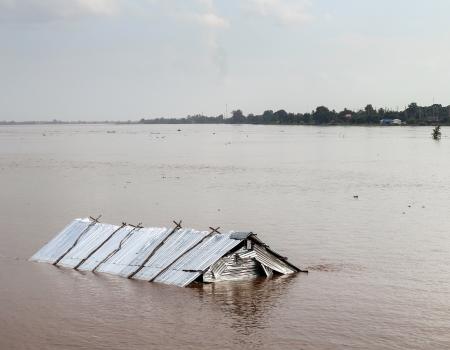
325 267
331 267
5 257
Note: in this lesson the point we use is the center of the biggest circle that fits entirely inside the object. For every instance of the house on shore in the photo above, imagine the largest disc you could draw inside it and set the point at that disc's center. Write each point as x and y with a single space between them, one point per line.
176 256
387 121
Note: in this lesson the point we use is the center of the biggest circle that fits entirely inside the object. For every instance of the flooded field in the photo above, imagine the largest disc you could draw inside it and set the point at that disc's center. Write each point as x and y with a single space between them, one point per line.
364 209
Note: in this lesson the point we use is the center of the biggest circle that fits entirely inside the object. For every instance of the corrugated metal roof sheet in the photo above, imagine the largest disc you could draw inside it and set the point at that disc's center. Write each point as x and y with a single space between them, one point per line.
236 266
175 246
135 251
95 236
271 261
62 242
172 256
198 259
103 251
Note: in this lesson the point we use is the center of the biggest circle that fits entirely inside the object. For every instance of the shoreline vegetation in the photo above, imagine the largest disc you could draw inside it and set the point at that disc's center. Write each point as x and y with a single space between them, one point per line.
414 114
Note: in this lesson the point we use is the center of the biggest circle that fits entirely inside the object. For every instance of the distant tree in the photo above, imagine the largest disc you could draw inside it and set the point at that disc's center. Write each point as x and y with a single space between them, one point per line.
371 116
307 118
292 119
237 117
369 109
413 114
268 117
322 115
281 117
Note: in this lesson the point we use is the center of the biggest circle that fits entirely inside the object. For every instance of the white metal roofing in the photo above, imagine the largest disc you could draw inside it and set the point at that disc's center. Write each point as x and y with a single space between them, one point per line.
87 244
103 251
170 256
60 244
134 250
194 263
175 246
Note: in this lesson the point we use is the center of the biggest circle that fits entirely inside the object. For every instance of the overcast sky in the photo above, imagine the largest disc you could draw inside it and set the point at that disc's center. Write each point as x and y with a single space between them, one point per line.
117 59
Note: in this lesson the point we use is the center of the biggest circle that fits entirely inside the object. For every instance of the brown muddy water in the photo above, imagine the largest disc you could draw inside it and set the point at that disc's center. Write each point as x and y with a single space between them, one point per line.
379 264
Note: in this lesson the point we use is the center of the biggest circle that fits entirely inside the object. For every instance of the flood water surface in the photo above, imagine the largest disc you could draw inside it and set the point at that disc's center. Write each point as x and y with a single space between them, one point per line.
365 210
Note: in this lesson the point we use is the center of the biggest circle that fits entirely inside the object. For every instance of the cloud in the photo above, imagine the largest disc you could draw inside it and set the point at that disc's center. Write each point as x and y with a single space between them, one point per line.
210 20
200 12
283 11
204 14
47 10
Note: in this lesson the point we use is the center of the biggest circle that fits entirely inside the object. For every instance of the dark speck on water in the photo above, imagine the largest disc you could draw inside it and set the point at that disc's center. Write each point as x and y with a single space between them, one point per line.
378 280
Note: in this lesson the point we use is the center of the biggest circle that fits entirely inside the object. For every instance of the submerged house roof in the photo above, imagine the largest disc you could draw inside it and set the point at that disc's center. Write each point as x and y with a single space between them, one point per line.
176 256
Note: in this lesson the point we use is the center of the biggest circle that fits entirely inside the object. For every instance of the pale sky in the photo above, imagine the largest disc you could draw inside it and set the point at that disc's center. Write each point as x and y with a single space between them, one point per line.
120 60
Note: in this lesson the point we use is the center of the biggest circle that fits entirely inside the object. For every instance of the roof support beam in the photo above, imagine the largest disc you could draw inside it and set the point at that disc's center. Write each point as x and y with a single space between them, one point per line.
129 234
176 228
94 221
213 230
101 245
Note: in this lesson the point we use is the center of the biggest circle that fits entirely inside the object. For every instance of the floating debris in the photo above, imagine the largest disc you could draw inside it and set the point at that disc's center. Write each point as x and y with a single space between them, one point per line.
176 256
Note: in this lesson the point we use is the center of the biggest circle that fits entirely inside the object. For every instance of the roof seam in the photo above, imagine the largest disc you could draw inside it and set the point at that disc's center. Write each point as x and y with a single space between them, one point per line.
184 253
175 229
129 234
82 261
92 224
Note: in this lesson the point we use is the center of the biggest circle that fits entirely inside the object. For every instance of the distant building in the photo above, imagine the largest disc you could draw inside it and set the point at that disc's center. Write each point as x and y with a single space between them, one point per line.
386 121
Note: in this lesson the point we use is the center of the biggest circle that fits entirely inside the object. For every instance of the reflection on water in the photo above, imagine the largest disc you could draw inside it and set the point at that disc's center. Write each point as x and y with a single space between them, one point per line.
379 271
248 303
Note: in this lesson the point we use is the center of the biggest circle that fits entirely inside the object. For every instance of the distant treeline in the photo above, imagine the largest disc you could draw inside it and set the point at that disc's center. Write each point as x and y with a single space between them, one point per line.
412 115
